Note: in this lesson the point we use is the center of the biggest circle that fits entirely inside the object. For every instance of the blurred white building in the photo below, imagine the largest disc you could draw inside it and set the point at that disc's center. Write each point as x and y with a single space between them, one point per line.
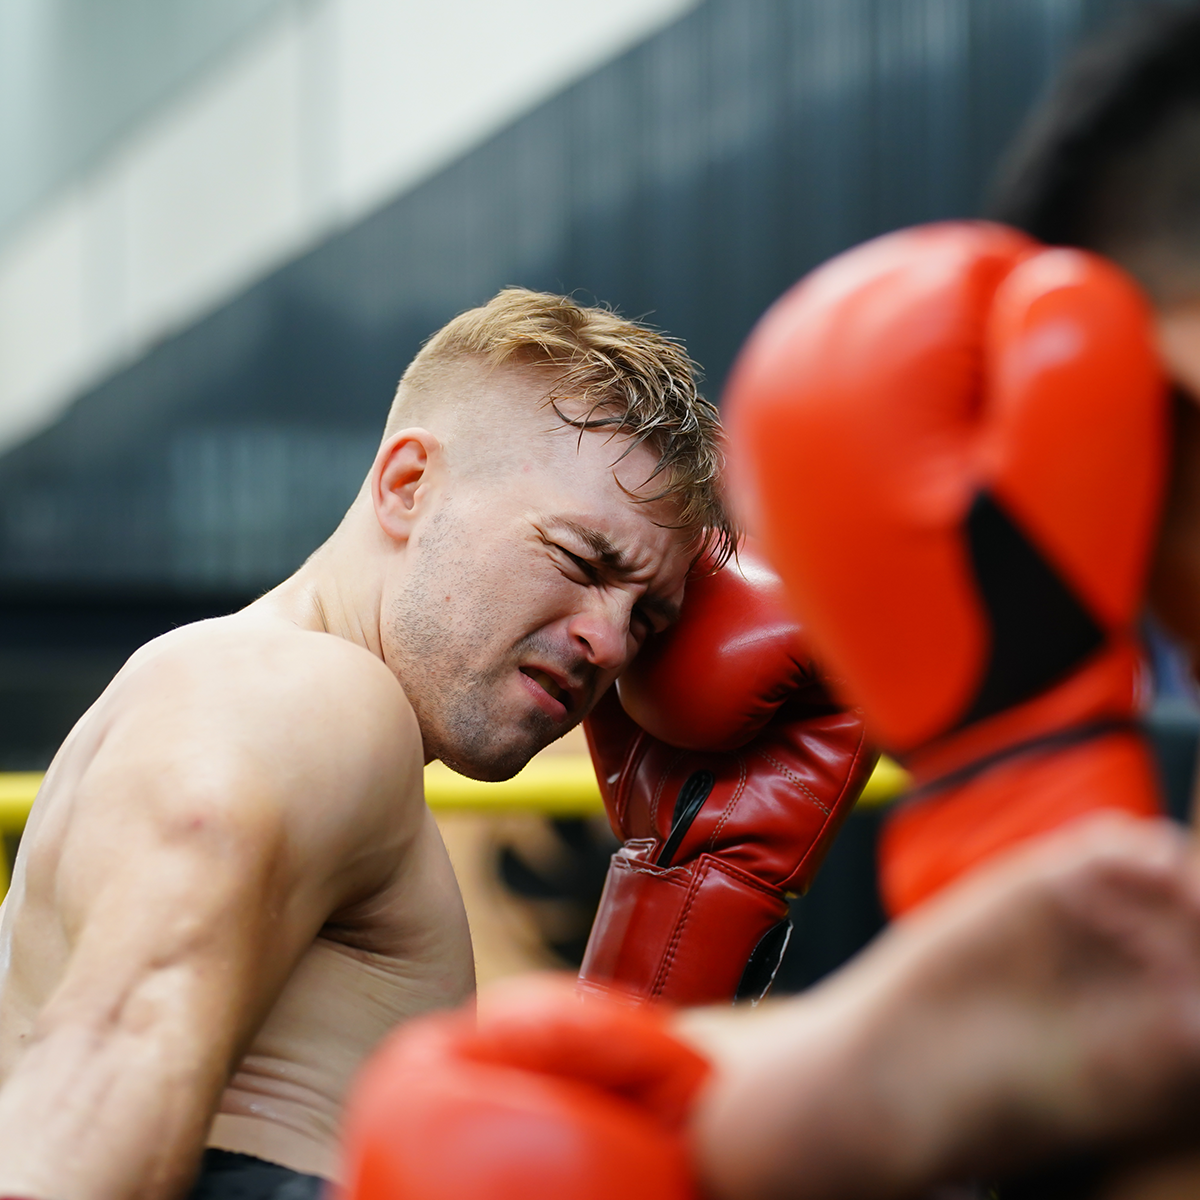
160 155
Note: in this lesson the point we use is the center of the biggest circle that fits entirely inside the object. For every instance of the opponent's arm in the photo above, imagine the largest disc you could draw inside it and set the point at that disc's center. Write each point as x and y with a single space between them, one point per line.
201 858
1045 1003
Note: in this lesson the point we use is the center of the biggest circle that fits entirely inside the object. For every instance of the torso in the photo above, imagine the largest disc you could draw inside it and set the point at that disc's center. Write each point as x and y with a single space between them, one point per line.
402 950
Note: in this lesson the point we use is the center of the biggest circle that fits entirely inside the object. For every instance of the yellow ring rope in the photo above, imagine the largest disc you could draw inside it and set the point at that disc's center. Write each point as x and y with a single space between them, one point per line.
553 785
550 786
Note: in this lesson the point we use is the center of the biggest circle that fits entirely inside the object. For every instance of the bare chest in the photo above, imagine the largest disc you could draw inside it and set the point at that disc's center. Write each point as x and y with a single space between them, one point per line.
284 1100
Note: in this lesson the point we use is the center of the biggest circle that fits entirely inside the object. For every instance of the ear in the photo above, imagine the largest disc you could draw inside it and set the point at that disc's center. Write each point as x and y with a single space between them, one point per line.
402 480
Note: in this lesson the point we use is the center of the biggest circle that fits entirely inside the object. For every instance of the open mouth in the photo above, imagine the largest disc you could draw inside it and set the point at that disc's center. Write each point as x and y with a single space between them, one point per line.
548 685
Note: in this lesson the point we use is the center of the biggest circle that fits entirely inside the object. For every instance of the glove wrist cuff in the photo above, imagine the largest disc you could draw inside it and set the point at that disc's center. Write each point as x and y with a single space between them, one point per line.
685 935
931 840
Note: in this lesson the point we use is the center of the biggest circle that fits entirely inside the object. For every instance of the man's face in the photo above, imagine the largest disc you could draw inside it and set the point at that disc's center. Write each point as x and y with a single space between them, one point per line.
526 593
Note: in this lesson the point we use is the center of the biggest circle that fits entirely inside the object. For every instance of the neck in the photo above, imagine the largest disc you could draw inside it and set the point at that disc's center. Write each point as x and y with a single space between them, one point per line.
339 590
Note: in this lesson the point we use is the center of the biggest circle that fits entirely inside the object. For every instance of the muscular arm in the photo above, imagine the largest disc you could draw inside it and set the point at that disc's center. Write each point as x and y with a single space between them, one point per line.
1046 1003
236 801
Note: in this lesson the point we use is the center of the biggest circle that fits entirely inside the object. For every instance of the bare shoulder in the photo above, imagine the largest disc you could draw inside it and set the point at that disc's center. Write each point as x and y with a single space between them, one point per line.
266 670
307 719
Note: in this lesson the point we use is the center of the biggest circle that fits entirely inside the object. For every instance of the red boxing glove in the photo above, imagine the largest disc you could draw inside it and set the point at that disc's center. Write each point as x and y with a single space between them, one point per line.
726 770
552 1094
952 442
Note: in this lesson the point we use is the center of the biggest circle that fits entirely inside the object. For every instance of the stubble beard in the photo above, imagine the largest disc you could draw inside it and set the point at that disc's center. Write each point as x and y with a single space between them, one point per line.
459 707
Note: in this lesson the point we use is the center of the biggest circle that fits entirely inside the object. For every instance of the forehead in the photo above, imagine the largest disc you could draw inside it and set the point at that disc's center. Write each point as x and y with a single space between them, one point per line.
515 436
600 487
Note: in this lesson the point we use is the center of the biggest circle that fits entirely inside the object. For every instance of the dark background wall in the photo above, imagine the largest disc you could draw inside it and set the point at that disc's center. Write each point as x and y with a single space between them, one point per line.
689 181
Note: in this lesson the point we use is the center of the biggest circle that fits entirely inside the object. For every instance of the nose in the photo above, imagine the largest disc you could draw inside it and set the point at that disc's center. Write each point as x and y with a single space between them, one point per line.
600 630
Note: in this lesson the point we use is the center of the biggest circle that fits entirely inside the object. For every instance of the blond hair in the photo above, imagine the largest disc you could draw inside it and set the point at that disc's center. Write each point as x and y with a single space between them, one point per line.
629 378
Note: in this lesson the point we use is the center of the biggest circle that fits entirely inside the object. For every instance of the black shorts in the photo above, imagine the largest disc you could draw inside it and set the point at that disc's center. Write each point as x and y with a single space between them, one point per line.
228 1176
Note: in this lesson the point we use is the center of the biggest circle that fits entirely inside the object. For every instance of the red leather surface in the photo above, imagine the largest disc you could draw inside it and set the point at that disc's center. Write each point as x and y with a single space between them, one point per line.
716 677
551 1094
661 926
876 400
685 934
771 807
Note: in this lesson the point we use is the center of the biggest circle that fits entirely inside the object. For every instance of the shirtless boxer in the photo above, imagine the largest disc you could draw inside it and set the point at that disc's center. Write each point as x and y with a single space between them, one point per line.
230 887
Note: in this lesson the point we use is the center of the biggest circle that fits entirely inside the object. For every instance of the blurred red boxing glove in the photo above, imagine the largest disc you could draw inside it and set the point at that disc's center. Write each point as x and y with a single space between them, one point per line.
951 441
726 770
551 1094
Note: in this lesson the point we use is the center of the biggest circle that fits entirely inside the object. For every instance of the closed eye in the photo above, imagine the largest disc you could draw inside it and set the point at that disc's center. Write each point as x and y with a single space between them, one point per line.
647 617
585 568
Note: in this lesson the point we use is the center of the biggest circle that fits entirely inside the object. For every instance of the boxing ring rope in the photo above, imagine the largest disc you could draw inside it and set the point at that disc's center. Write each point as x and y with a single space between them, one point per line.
553 786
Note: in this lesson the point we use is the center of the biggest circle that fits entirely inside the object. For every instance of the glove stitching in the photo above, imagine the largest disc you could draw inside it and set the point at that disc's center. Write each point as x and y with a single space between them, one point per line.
628 774
658 791
815 845
733 871
668 958
738 791
706 864
799 783
669 874
672 875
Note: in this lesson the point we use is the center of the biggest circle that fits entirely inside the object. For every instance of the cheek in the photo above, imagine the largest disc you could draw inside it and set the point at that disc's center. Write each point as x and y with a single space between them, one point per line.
545 596
546 601
501 608
503 597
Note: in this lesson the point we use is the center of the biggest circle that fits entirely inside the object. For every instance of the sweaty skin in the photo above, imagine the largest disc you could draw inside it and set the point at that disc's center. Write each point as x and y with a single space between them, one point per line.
230 887
230 855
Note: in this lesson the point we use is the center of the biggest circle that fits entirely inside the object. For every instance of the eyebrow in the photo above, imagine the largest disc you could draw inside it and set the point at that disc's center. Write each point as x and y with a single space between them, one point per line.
602 548
610 556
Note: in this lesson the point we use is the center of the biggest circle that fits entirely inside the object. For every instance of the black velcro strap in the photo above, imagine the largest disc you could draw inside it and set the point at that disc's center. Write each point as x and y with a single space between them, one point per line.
695 790
1047 743
1039 629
